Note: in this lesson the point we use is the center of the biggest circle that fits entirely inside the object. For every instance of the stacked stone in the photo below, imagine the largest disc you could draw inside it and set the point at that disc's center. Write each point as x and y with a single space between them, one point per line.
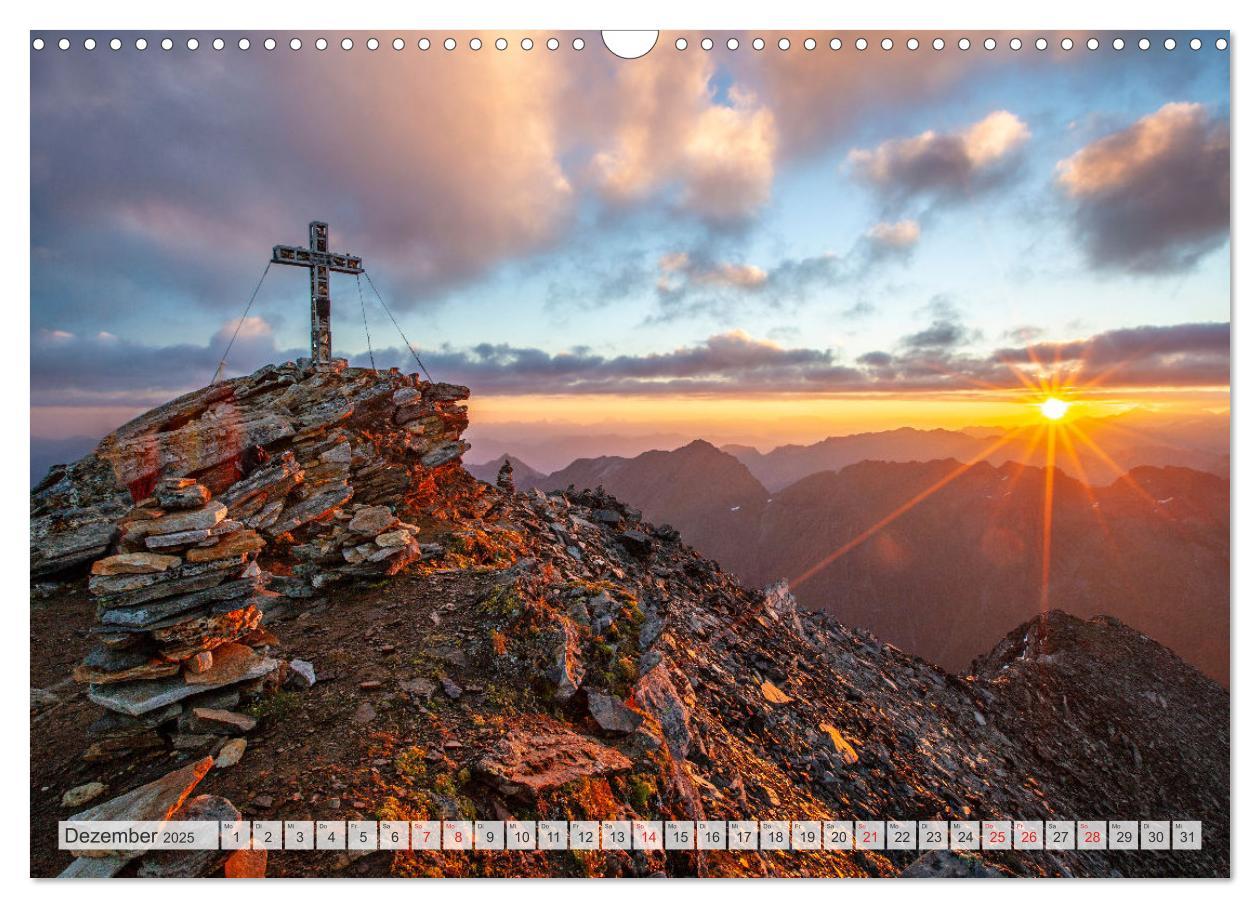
360 541
179 612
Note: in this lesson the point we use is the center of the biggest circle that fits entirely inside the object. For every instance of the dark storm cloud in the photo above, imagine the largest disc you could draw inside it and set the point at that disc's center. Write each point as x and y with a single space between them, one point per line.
1153 197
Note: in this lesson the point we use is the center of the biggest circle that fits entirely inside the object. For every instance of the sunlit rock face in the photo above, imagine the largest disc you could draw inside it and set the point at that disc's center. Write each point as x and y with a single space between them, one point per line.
285 448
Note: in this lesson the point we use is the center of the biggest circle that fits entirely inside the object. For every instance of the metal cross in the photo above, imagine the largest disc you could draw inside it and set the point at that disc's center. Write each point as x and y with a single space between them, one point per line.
320 261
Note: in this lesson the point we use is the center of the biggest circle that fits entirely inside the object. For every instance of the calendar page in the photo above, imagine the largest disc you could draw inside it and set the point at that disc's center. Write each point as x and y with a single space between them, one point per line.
691 454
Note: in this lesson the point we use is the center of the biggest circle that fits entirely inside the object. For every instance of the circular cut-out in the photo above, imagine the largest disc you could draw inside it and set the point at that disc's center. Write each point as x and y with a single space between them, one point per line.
64 44
89 44
527 44
141 44
1221 44
1170 44
449 43
373 44
578 44
835 43
38 44
167 44
964 43
424 44
115 44
912 43
732 44
500 43
475 44
270 44
886 44
399 44
810 43
1144 44
243 44
1041 44
1066 44
1092 44
706 44
295 44
1195 44
759 43
860 44
1016 44
630 44
552 44
784 44
217 44
990 44
680 43
1118 44
938 43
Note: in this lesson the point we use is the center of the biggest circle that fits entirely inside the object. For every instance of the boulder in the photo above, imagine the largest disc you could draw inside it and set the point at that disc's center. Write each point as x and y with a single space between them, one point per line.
134 563
533 762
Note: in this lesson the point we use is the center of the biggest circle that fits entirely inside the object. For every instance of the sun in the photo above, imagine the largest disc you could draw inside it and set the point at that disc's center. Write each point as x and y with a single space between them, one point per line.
1053 408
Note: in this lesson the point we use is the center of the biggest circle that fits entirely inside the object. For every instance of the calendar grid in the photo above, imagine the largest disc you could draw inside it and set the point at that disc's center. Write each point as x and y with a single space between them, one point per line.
637 835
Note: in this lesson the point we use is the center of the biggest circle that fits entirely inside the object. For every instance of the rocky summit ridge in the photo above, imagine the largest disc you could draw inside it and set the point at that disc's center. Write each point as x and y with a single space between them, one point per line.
555 656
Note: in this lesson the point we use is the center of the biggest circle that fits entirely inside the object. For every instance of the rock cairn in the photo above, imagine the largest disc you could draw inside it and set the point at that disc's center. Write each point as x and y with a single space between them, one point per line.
215 507
179 633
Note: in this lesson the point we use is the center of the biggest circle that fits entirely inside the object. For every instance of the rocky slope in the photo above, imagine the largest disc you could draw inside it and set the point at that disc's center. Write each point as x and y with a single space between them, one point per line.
950 575
558 657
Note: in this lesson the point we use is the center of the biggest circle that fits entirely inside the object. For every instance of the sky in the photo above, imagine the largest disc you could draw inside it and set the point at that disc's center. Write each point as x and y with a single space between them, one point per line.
751 245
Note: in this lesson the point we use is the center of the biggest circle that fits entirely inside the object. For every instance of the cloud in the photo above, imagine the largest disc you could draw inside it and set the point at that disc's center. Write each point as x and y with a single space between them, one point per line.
713 158
1194 354
108 373
942 165
1153 197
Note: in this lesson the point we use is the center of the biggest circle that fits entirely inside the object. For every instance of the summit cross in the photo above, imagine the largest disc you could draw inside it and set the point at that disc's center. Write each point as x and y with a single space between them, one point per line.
320 262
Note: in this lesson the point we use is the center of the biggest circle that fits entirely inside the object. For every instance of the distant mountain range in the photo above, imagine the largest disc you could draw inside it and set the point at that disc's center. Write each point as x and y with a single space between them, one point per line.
1100 450
940 558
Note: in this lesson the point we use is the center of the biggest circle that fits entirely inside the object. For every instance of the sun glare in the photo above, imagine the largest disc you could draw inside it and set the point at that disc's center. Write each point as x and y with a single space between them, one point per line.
1052 408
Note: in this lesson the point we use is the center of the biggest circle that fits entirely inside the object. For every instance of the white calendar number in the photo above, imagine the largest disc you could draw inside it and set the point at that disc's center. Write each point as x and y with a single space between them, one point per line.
553 835
267 835
647 835
680 835
426 835
394 835
933 835
838 835
1187 835
1091 835
711 835
234 834
1122 835
869 835
806 835
1029 835
1060 835
995 835
614 835
1155 835
488 835
964 835
902 835
584 835
522 835
361 834
457 835
330 835
741 835
299 835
